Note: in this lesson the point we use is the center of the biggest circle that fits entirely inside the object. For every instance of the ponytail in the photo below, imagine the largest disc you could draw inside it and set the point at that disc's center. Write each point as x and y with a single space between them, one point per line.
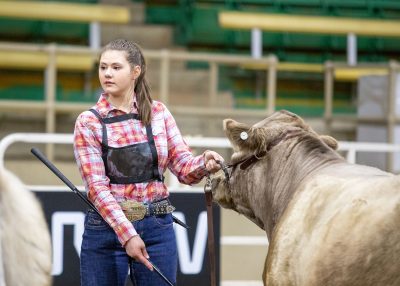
143 94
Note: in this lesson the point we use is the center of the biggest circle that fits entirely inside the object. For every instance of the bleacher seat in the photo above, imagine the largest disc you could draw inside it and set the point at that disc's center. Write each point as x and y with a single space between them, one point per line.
42 27
196 27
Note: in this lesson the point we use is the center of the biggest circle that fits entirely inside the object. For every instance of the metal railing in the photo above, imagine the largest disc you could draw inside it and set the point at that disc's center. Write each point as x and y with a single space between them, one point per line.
55 57
86 58
52 63
349 148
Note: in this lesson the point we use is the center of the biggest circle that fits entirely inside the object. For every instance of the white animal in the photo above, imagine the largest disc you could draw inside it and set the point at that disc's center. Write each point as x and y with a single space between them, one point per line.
25 245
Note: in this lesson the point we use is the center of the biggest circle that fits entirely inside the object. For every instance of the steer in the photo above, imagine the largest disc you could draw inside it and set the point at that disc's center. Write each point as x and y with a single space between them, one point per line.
328 222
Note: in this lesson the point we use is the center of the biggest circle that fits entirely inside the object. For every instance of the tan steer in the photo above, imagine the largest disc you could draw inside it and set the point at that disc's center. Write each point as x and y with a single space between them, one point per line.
328 222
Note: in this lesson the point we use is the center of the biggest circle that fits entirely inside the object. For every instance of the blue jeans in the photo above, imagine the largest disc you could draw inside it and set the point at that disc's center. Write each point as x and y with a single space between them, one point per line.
104 261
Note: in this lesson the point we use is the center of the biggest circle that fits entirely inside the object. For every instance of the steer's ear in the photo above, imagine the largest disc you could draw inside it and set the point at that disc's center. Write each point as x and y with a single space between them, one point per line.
330 141
237 133
248 138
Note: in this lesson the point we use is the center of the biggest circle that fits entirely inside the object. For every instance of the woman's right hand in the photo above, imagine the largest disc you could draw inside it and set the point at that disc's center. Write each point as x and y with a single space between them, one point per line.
136 249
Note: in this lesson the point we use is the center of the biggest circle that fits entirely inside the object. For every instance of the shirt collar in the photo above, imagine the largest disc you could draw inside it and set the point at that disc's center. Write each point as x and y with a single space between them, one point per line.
105 107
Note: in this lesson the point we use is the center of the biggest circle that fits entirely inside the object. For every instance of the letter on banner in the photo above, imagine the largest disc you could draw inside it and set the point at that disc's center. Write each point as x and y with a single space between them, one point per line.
58 220
191 264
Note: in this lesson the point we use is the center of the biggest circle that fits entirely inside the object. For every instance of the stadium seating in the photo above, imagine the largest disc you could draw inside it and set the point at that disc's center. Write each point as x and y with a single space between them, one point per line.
41 22
197 27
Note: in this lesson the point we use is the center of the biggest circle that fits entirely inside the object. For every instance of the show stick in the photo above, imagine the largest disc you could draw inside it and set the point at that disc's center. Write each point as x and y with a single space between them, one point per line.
61 176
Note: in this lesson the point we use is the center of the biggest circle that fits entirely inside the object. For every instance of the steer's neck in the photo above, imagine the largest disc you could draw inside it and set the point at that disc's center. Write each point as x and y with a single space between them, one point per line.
289 165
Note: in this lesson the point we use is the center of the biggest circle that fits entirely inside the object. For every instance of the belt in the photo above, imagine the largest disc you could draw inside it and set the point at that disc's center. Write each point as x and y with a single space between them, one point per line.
136 211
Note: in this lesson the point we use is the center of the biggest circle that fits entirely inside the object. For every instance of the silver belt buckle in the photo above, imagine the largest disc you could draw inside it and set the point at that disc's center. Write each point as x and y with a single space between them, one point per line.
133 210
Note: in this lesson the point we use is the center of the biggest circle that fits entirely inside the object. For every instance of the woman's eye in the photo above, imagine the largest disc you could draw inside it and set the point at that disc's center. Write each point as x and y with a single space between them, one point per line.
117 68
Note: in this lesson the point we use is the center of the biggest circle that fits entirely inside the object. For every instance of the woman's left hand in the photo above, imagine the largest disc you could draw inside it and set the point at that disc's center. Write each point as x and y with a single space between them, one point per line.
211 159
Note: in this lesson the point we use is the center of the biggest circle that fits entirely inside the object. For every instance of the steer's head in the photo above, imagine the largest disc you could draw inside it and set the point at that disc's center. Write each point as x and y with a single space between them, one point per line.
265 134
243 192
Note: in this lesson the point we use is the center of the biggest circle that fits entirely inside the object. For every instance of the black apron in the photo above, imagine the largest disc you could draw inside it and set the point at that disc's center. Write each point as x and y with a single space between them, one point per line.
136 163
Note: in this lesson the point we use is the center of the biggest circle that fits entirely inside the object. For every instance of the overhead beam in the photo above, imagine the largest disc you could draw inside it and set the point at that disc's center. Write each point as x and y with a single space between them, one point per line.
61 11
289 67
353 74
308 24
37 60
340 73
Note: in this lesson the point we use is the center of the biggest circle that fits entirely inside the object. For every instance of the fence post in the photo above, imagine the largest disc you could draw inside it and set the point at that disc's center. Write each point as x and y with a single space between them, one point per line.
391 116
164 76
271 84
213 84
328 95
50 78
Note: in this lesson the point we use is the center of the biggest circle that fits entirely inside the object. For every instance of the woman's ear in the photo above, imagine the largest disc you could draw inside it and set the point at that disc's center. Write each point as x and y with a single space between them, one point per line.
136 71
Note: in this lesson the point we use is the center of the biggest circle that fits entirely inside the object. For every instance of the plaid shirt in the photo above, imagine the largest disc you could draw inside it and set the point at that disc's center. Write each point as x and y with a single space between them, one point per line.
173 153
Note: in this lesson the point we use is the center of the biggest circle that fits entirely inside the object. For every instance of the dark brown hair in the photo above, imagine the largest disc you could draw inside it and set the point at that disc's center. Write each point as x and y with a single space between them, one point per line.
135 57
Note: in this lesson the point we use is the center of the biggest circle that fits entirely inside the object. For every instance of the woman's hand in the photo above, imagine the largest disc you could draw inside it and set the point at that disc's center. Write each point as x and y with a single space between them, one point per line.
211 160
136 249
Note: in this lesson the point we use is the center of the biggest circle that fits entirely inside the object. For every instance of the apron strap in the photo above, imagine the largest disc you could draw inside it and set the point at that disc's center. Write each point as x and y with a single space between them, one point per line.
104 138
153 150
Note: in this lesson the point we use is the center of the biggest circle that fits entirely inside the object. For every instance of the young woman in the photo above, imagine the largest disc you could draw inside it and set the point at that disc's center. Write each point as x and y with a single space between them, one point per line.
123 145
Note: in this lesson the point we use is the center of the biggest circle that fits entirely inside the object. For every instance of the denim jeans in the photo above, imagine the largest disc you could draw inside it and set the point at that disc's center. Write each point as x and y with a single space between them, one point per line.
104 261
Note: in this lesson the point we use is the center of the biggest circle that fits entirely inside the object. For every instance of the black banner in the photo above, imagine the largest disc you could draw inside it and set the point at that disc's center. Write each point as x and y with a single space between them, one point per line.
65 214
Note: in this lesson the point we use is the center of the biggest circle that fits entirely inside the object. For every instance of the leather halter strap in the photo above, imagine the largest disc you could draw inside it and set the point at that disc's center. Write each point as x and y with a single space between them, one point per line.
251 160
210 231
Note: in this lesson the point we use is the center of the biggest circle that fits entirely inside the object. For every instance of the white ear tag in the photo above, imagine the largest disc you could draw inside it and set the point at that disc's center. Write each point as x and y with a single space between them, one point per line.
244 135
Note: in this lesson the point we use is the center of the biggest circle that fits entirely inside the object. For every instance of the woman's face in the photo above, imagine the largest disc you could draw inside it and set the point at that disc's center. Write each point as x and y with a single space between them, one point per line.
116 76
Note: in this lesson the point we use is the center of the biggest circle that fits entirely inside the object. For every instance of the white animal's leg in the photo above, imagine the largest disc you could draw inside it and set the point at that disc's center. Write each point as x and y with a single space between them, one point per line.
2 281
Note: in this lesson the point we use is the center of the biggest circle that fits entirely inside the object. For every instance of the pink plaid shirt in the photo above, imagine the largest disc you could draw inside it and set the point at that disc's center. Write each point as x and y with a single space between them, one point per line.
173 153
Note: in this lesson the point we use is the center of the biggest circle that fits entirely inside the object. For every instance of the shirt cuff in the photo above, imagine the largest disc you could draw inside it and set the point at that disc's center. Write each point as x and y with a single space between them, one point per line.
202 170
125 231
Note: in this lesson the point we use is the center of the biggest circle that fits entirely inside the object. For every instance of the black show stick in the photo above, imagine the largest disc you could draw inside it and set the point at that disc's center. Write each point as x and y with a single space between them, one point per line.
160 274
61 176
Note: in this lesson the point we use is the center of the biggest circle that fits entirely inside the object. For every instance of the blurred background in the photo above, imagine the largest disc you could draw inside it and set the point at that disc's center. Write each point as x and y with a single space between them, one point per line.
333 62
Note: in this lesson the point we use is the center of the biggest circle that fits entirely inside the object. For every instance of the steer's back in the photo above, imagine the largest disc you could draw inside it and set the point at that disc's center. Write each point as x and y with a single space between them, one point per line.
341 228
